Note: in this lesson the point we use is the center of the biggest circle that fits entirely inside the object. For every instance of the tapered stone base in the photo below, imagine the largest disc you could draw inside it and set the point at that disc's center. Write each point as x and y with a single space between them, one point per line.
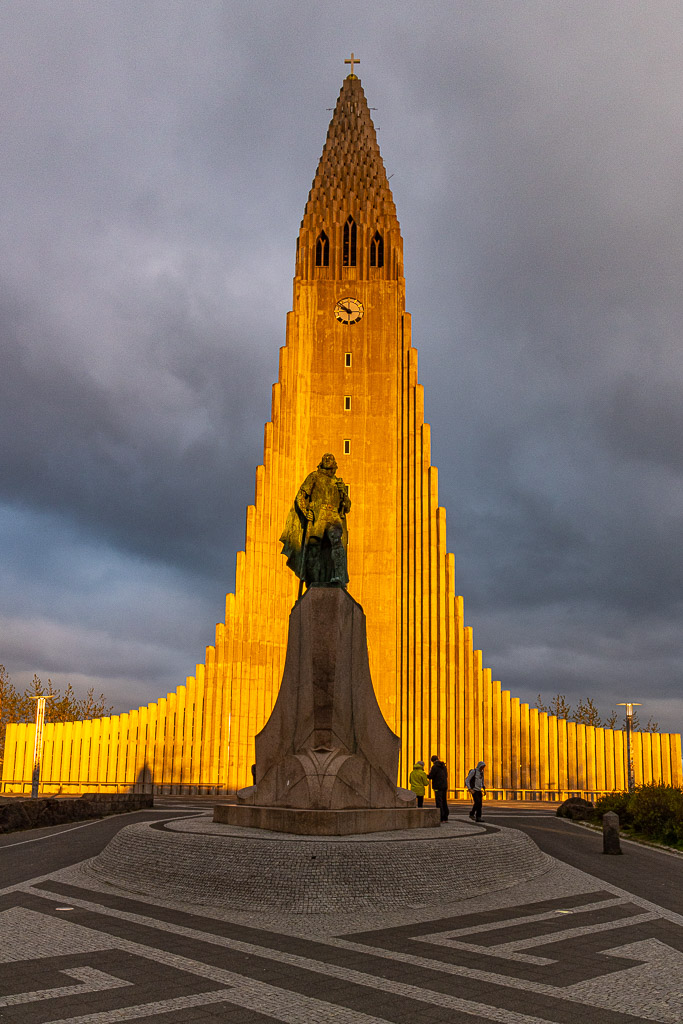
327 822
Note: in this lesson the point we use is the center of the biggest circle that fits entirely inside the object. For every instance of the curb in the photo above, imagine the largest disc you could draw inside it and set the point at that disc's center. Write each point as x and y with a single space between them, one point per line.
624 838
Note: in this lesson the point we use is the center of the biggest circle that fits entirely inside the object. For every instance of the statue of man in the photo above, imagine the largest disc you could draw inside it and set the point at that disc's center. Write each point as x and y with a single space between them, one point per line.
315 537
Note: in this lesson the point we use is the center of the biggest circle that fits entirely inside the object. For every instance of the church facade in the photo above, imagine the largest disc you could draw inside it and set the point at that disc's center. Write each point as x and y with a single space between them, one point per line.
347 384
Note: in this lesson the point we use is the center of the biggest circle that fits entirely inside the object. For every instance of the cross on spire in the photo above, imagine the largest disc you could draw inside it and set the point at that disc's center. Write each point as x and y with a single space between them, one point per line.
352 60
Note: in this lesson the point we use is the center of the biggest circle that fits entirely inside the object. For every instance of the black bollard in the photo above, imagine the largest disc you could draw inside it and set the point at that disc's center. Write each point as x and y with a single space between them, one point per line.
610 833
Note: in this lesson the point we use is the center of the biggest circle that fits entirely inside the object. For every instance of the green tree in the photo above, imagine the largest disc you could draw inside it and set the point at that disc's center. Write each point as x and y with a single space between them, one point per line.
64 707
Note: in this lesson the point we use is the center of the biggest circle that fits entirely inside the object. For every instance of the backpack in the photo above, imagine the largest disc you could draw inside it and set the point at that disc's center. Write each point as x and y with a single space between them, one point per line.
470 775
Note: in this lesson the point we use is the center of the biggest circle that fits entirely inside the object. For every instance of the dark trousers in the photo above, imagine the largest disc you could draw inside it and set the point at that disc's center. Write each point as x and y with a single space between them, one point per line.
476 808
420 800
441 802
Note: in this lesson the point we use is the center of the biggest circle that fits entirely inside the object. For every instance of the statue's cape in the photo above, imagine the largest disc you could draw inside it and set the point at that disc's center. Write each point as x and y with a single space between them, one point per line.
292 540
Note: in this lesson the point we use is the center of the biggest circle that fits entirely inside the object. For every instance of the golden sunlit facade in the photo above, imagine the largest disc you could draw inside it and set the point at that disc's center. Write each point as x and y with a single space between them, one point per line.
347 384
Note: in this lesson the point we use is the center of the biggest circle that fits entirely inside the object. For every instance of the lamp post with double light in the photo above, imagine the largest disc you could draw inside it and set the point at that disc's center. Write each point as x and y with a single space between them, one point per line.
38 742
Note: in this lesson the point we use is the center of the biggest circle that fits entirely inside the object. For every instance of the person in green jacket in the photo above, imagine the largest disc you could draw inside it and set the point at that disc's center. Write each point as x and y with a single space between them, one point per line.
418 781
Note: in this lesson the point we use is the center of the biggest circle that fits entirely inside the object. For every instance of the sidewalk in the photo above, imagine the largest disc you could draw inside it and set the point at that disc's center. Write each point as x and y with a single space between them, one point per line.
565 948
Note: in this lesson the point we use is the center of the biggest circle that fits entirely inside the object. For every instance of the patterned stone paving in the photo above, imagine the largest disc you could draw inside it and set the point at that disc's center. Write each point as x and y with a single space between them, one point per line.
560 948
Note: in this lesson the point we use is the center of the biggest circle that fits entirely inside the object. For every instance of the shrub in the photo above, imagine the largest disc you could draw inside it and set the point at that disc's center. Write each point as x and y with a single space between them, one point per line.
657 811
617 802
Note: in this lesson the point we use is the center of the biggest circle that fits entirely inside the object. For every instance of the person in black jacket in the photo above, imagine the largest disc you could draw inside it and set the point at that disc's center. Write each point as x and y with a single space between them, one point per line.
438 776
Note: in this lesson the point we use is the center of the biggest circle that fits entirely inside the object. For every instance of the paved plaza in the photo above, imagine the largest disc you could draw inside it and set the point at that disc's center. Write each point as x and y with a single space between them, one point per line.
561 947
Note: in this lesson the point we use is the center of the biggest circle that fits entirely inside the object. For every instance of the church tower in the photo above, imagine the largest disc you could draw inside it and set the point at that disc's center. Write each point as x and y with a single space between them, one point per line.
347 384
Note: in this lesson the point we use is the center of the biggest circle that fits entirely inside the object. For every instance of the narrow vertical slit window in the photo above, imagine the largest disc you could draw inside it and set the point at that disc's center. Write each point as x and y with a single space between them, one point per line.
322 250
349 247
347 447
347 402
377 250
347 359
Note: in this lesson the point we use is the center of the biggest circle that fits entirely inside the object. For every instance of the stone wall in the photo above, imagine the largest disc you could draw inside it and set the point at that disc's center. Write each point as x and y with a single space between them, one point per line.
18 814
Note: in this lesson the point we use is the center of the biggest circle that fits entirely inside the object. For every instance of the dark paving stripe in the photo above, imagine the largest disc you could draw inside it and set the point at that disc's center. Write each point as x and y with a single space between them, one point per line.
150 982
476 918
577 919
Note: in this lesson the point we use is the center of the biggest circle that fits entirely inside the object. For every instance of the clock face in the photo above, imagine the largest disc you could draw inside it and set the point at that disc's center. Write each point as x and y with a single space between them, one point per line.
349 311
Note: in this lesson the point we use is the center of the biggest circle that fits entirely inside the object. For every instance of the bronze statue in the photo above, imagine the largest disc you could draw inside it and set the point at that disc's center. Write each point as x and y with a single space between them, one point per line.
315 537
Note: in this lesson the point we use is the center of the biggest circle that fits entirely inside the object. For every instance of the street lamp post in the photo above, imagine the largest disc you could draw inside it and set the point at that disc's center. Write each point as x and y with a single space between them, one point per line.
629 728
38 742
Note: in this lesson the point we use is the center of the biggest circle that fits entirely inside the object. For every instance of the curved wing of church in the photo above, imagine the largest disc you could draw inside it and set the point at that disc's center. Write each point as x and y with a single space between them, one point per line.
347 384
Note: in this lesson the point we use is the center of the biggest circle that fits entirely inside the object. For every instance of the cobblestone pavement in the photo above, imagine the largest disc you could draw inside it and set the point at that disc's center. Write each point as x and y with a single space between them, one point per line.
564 947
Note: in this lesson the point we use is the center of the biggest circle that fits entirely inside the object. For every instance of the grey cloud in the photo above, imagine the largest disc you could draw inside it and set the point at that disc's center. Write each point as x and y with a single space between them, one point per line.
641 420
157 165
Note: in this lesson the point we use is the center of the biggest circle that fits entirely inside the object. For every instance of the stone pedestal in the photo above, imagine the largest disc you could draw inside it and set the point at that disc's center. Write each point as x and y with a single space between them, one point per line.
326 752
356 822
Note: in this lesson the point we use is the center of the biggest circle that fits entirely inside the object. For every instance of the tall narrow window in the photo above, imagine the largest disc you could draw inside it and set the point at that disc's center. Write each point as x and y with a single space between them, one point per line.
377 250
347 447
349 249
347 359
322 250
347 402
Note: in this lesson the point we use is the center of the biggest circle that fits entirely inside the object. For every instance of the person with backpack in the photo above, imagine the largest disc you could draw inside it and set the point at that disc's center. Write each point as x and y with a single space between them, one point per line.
438 776
475 784
418 781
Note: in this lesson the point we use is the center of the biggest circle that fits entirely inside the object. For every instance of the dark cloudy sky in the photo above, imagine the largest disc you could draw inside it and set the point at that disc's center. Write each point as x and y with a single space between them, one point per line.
155 163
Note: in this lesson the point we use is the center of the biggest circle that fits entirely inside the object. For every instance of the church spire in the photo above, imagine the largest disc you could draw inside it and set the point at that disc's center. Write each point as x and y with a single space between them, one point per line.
350 182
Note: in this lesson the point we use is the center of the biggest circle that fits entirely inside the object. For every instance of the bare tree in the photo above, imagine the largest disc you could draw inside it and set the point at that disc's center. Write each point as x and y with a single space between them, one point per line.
586 712
64 707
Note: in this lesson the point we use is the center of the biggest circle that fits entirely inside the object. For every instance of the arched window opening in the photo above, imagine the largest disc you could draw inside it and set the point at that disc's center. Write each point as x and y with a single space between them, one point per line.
377 250
322 250
349 250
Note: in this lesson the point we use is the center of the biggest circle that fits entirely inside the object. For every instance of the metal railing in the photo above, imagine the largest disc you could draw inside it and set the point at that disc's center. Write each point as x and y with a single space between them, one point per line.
536 795
59 787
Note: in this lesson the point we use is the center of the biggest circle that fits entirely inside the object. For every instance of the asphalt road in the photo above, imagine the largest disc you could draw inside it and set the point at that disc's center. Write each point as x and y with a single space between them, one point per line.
35 852
648 873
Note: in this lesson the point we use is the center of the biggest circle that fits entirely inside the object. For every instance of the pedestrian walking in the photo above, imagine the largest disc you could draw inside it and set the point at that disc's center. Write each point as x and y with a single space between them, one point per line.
438 776
418 781
475 784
